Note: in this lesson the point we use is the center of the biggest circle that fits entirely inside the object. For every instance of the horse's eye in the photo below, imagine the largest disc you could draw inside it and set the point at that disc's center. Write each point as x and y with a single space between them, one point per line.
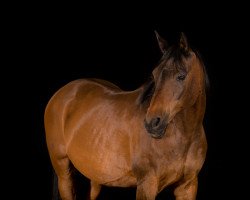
181 77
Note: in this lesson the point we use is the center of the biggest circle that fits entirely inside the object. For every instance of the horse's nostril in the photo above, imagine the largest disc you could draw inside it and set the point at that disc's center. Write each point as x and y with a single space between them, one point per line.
155 122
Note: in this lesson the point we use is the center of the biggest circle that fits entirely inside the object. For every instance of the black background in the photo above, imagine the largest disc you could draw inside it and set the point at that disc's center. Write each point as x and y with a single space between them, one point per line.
48 46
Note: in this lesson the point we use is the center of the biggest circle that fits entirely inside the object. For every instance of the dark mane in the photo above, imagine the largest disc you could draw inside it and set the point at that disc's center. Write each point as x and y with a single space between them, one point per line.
207 82
147 92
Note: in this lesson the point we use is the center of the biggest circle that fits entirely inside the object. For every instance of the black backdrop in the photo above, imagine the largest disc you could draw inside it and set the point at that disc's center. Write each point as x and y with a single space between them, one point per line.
49 48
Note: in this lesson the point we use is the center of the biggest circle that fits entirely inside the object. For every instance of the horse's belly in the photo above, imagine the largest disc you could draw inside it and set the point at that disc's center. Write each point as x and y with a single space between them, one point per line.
106 161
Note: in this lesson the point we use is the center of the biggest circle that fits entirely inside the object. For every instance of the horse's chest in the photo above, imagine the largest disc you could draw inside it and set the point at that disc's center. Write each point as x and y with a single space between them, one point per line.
165 161
169 171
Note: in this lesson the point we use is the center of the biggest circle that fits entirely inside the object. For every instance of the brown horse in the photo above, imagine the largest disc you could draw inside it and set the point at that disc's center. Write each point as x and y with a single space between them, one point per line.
148 138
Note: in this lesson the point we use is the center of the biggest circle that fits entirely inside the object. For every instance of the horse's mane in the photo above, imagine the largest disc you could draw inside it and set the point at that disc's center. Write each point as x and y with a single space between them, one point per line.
147 92
207 82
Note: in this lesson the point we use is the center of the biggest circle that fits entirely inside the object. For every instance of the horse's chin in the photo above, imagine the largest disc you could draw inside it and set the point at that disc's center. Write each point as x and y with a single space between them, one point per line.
156 136
159 134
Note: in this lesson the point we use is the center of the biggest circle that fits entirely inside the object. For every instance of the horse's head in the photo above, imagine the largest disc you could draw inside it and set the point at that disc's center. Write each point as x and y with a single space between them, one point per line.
178 80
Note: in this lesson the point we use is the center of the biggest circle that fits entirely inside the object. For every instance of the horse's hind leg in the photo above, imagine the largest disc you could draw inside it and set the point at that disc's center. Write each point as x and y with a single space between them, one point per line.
95 189
65 182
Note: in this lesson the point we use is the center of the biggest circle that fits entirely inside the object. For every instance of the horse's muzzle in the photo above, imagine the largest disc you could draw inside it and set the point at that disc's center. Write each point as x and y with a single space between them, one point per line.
156 127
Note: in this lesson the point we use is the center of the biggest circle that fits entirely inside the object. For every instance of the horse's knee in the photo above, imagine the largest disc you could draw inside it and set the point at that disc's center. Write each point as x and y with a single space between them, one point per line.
94 190
147 190
186 190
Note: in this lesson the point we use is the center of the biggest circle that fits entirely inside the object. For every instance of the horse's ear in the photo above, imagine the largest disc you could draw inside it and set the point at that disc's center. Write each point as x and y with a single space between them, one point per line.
183 43
162 43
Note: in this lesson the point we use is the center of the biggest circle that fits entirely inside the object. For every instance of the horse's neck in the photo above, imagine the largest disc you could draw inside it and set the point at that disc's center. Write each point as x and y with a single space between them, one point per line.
193 116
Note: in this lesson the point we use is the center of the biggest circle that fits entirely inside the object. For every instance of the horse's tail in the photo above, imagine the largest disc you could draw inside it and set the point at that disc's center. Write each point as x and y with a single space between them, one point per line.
55 192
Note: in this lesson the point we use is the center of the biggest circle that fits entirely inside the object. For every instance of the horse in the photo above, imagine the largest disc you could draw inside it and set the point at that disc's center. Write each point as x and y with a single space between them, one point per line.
149 138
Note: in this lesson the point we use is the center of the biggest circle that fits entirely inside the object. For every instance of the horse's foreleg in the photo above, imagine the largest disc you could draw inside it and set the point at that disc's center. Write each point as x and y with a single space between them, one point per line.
186 190
95 189
147 189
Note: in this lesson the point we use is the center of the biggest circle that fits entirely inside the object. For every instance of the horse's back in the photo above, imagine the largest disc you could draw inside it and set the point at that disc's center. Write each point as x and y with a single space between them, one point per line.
73 91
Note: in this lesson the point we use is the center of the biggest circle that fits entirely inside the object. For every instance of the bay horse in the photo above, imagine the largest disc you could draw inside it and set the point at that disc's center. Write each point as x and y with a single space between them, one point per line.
149 138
